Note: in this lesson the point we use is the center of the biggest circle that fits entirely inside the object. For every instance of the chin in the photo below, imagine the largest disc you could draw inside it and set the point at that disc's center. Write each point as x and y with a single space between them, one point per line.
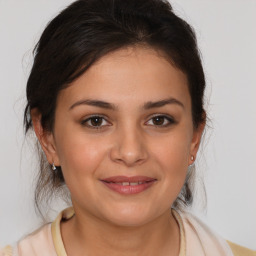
129 217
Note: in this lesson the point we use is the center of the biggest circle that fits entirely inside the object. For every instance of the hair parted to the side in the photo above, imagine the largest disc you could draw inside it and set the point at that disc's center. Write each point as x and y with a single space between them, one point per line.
89 29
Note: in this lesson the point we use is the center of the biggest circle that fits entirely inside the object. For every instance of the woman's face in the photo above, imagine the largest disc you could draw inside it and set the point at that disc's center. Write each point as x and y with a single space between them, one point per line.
124 138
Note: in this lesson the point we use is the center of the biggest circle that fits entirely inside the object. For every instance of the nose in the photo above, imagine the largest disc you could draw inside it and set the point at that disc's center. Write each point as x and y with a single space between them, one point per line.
129 147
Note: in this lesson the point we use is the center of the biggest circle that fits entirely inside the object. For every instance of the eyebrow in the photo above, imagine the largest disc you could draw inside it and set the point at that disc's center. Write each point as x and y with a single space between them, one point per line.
111 106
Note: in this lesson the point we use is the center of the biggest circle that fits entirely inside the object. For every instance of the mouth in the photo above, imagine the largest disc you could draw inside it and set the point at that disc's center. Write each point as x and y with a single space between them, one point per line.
128 185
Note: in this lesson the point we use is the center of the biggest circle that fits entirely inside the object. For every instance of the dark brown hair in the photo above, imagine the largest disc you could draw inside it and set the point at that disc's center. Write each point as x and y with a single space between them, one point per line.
89 29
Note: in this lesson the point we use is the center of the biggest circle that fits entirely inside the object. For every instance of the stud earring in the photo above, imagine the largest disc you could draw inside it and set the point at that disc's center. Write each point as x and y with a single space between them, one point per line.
192 158
53 167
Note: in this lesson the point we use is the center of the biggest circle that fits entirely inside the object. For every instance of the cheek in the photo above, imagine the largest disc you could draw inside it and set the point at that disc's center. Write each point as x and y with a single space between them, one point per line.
79 154
173 152
80 158
172 157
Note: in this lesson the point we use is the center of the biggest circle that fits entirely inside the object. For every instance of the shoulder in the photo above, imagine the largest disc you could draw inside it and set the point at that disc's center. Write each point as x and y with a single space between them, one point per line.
199 235
38 243
44 241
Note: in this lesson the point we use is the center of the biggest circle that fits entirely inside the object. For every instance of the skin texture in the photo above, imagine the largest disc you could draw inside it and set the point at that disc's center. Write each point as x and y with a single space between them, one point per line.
130 142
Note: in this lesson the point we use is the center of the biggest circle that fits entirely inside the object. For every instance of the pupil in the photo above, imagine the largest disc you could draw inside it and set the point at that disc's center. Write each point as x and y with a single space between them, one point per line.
158 120
96 121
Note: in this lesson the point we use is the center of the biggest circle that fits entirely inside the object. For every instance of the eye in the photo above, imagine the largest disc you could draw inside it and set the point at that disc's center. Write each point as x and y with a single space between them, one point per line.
95 122
161 121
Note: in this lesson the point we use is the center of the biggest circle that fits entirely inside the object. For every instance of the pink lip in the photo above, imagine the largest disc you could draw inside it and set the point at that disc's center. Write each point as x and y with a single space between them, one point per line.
114 184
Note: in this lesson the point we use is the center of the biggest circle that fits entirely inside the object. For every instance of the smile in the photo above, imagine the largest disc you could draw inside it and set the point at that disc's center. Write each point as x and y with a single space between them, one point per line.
128 185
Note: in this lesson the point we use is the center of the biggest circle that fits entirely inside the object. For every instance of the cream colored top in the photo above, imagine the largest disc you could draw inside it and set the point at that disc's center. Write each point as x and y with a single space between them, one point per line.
196 239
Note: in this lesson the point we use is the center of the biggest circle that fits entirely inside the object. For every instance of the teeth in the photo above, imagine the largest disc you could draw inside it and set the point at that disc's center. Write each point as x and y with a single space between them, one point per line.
130 183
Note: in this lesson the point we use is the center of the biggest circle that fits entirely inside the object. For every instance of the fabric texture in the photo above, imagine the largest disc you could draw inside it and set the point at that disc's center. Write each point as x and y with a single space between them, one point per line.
7 251
196 239
240 250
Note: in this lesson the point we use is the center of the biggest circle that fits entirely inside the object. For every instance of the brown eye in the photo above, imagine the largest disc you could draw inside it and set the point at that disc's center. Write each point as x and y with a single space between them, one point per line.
161 121
95 122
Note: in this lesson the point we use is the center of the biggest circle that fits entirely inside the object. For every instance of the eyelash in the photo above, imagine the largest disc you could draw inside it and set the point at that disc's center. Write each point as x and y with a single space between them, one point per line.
168 118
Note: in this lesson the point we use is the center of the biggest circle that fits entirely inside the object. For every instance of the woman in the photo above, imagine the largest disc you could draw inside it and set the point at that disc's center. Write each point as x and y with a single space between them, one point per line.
115 98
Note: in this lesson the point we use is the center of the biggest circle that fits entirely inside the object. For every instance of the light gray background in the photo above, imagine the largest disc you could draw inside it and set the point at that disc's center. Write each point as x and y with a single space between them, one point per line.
227 38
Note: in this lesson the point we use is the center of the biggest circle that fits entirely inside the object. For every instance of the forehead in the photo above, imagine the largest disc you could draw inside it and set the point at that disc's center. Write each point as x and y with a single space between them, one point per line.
129 75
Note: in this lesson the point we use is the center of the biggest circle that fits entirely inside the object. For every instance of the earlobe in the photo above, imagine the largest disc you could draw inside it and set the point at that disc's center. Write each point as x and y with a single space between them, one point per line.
45 138
195 143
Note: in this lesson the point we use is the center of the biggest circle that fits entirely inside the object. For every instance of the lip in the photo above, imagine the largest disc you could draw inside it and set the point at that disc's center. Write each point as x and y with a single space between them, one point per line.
114 183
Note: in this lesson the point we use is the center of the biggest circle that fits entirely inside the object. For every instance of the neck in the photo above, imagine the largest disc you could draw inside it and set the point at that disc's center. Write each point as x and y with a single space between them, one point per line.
83 235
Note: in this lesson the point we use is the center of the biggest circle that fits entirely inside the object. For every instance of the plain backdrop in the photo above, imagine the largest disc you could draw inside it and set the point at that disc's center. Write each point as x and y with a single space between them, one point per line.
227 38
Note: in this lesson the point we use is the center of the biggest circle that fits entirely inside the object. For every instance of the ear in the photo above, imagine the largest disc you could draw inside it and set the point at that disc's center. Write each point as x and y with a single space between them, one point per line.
45 138
195 143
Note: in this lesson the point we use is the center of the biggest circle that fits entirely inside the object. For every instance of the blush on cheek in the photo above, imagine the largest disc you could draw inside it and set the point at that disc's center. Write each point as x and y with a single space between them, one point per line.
79 165
82 159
